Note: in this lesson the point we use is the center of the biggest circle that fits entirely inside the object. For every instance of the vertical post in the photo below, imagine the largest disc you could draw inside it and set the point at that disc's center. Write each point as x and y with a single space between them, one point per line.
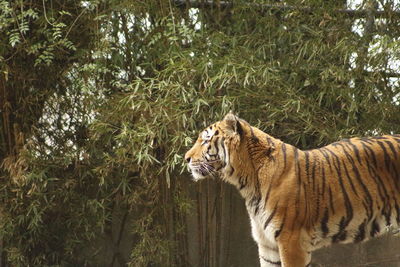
6 146
369 26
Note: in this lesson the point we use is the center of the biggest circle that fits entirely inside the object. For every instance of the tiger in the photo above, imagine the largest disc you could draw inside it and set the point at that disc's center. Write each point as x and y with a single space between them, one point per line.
301 200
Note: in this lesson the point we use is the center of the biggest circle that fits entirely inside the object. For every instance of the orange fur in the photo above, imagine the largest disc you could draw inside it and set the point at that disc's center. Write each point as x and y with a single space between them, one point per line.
297 200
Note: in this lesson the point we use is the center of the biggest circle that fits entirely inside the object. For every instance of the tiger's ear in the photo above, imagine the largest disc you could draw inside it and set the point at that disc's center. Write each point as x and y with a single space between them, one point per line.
233 124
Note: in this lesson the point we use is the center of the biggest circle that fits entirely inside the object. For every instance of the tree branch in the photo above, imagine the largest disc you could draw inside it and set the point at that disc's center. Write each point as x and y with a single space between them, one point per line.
261 7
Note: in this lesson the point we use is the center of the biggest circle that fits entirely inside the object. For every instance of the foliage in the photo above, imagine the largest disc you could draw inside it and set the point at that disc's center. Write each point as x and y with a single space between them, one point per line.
100 99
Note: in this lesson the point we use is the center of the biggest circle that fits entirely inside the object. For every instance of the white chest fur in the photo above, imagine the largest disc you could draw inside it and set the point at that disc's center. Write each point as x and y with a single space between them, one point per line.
264 236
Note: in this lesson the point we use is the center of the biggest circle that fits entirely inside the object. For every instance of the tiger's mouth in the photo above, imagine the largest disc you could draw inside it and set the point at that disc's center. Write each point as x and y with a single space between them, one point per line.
201 170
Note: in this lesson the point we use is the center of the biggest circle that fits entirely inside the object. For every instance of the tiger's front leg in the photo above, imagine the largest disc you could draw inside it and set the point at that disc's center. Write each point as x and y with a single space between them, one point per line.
267 250
289 251
292 252
268 257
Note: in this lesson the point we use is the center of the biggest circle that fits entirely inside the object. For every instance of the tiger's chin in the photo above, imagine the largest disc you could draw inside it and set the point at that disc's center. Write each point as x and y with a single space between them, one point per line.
200 174
197 176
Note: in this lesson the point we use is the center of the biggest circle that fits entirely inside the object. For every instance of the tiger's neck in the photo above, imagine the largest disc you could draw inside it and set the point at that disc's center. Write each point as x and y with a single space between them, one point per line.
252 167
262 149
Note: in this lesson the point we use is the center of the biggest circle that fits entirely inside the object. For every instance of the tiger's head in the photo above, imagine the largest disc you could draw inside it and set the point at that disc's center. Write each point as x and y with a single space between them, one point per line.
217 148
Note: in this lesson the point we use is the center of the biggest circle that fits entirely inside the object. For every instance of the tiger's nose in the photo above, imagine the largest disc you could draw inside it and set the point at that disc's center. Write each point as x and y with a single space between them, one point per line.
187 156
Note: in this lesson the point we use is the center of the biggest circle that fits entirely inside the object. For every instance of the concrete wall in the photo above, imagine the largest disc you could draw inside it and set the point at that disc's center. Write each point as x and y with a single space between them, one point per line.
219 236
237 248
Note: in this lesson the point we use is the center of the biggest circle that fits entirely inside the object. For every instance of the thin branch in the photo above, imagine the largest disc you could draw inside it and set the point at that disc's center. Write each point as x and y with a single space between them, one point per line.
45 15
262 7
73 23
386 74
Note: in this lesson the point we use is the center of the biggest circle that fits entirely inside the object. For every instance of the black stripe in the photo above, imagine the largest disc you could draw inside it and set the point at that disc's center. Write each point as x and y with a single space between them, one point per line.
284 155
331 200
348 206
324 223
232 170
370 153
298 173
323 179
317 207
210 142
396 139
374 229
267 195
356 151
363 186
219 168
349 178
387 212
271 262
391 146
379 181
385 154
341 234
360 236
278 232
326 156
395 175
379 184
315 188
378 137
253 137
208 149
223 149
307 204
270 216
305 187
366 140
255 202
242 182
314 166
216 145
307 157
296 159
348 156
270 147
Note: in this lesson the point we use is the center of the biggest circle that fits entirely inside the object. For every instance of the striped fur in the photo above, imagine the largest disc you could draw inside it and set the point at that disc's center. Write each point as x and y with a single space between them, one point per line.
299 201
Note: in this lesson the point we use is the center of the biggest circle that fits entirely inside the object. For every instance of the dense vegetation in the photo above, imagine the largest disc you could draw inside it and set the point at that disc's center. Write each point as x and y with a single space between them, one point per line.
100 99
